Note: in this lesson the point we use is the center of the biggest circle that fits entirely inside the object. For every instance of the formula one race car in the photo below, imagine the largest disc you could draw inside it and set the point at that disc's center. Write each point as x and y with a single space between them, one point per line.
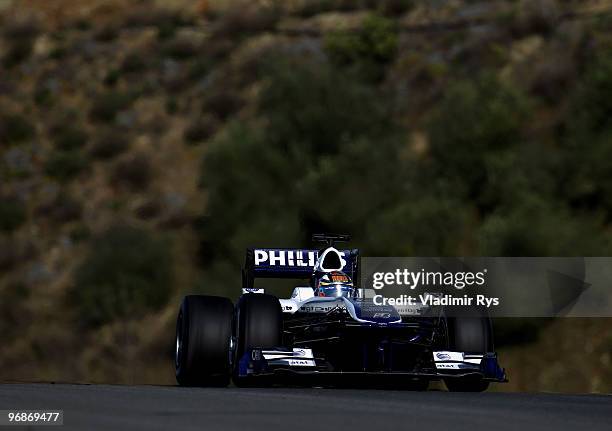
328 331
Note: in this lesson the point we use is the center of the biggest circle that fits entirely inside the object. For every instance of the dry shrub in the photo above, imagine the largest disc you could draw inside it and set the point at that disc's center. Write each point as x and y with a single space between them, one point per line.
537 16
246 18
109 143
134 172
200 129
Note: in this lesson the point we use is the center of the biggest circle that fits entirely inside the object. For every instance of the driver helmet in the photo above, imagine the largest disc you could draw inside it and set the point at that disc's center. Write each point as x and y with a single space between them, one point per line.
334 284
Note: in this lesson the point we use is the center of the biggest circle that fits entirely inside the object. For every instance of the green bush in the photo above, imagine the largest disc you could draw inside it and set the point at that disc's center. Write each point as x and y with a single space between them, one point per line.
314 108
180 49
15 128
584 175
79 233
82 24
427 225
537 226
106 33
12 214
68 137
133 63
18 51
477 114
133 172
321 153
242 18
591 104
166 20
474 119
200 129
171 105
316 135
43 96
19 35
109 143
64 208
314 7
221 102
106 106
585 179
127 272
14 312
369 48
112 77
65 165
392 7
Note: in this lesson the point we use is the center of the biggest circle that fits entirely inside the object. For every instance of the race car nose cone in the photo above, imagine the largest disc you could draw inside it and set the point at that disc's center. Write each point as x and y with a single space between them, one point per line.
367 310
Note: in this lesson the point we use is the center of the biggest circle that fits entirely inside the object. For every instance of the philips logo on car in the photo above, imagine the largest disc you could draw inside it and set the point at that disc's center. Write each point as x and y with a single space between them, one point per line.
285 258
302 258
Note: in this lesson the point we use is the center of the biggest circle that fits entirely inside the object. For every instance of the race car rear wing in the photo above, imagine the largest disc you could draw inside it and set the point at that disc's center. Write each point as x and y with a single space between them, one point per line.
290 263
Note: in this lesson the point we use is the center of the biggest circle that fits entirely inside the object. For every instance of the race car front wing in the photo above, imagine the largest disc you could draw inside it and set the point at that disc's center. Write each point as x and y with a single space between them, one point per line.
300 362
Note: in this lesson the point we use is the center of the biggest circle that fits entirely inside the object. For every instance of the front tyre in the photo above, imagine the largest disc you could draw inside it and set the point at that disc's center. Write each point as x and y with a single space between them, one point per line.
469 330
258 324
203 333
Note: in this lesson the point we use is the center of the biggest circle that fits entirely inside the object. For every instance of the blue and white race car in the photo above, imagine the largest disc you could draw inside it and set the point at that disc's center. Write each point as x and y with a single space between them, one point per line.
329 331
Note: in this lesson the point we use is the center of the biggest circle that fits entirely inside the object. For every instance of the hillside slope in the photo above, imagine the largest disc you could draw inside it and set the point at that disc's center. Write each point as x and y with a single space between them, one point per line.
146 125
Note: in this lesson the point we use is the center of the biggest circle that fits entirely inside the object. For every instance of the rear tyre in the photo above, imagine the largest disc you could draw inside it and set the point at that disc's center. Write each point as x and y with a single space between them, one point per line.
203 333
258 323
469 330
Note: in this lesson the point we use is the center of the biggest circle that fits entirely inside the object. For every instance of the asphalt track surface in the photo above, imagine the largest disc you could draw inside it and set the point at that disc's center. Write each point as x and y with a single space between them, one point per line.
106 407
